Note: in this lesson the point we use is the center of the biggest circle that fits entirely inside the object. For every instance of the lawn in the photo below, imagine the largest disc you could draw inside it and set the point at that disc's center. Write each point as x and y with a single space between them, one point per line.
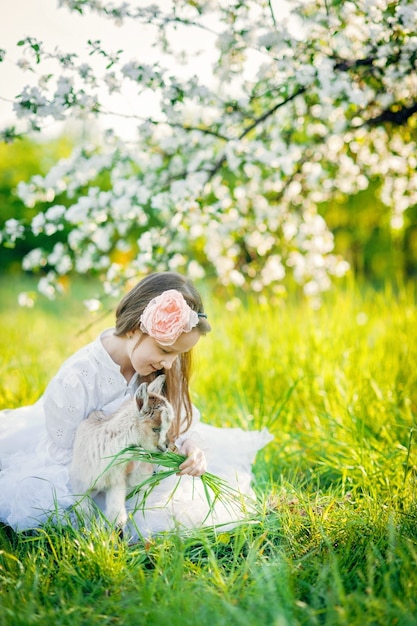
335 538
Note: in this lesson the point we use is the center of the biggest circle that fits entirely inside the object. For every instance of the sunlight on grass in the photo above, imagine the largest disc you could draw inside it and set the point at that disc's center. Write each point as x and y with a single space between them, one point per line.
335 539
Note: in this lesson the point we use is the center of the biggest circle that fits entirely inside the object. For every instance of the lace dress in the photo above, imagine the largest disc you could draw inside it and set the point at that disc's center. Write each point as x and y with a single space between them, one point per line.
36 447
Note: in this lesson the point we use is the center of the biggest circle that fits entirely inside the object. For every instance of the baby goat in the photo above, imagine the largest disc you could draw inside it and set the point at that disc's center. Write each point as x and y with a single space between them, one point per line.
144 421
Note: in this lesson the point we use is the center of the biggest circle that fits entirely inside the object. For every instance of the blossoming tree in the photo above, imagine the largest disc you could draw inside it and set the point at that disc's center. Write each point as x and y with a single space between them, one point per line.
226 175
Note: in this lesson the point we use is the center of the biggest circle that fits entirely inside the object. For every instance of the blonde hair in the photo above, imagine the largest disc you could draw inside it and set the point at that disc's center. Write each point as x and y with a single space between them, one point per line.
128 314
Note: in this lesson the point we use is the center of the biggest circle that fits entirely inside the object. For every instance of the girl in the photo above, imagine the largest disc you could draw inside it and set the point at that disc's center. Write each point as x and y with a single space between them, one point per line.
157 324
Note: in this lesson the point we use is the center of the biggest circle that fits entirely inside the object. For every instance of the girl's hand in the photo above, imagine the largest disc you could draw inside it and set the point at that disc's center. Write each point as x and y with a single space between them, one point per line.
195 464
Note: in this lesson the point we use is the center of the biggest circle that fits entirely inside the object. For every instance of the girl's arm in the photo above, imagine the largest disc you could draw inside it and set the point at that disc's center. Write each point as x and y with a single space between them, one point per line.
187 444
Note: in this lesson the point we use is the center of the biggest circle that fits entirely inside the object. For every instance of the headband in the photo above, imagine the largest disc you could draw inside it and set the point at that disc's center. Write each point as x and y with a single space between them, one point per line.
167 316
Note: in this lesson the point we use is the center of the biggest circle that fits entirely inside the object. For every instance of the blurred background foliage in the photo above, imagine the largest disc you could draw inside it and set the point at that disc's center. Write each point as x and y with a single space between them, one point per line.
361 224
20 161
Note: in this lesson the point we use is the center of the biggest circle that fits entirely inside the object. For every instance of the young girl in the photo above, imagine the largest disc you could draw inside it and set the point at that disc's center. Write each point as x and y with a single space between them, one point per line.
157 324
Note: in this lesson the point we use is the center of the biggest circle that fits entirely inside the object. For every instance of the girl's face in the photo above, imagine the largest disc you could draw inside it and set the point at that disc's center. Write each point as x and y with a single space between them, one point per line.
149 356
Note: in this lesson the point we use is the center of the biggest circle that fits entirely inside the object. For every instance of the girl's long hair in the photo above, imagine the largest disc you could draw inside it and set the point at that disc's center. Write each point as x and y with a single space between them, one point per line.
128 314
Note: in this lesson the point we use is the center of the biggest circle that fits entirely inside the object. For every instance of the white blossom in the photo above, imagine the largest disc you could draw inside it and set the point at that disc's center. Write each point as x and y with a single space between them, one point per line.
93 305
25 299
227 173
59 259
33 259
38 223
48 286
13 230
273 270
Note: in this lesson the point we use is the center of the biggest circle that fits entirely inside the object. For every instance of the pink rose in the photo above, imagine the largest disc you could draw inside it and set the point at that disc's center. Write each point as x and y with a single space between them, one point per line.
167 316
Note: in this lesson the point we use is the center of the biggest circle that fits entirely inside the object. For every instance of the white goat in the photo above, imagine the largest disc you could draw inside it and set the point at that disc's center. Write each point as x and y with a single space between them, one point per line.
144 421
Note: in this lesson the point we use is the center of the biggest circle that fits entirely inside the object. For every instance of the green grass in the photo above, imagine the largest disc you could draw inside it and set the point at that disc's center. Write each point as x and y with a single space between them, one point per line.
336 538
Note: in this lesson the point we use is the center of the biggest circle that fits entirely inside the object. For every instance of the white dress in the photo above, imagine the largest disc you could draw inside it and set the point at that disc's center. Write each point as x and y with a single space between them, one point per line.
36 448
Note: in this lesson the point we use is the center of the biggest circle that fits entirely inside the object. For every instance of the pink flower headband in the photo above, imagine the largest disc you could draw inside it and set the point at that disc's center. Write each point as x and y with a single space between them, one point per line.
167 316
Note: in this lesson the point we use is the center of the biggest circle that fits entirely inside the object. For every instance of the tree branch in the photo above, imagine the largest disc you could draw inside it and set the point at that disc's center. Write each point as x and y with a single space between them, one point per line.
271 10
398 117
201 129
344 65
222 159
271 111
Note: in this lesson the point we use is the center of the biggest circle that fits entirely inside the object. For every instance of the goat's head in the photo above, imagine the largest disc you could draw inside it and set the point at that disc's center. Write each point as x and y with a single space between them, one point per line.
155 415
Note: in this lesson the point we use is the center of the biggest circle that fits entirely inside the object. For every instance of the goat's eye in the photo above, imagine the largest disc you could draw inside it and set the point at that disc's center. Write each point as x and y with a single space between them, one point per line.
156 430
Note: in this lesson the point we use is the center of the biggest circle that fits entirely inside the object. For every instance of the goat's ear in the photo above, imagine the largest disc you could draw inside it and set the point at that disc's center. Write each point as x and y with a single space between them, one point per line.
142 396
157 385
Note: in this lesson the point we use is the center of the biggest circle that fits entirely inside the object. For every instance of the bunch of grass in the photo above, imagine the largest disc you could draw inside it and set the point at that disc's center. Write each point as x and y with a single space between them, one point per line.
167 464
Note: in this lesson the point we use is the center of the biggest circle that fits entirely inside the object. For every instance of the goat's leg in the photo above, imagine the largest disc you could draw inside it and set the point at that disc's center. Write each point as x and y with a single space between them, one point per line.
116 504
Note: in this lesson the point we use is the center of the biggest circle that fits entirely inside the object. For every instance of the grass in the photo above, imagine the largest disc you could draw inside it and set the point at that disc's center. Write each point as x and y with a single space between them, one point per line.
336 536
216 489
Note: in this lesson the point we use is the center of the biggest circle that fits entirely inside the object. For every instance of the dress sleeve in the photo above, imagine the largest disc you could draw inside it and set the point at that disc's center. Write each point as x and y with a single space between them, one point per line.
67 401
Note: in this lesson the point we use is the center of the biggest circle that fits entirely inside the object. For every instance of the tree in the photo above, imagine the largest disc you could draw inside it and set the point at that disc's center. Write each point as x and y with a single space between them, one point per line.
227 175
